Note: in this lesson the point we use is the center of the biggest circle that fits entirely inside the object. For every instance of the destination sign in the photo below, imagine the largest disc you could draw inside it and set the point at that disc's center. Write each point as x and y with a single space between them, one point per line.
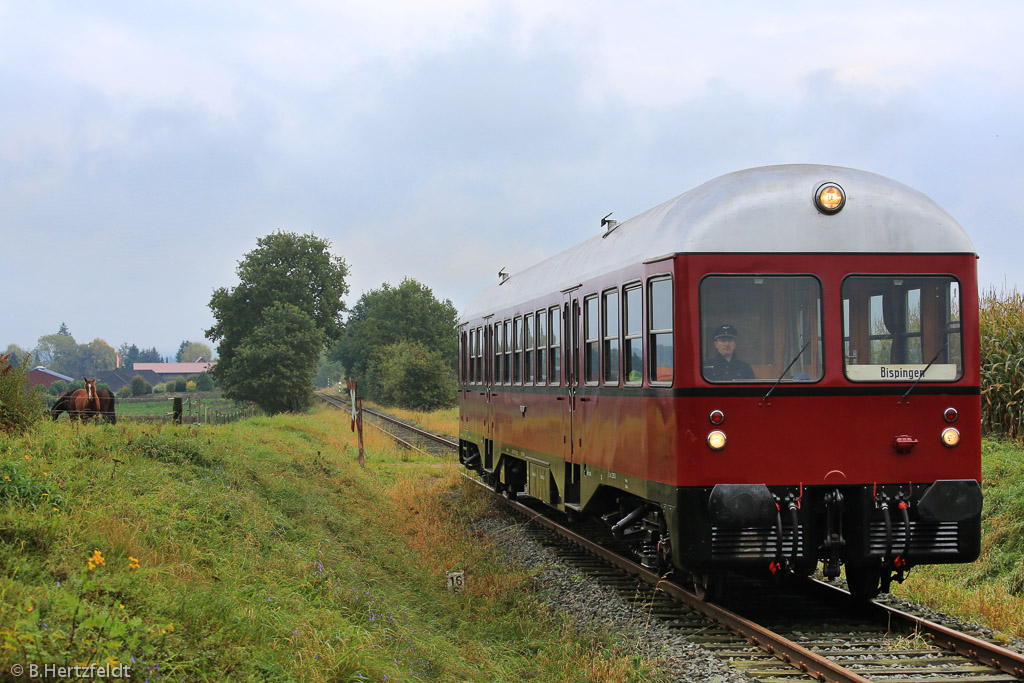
945 372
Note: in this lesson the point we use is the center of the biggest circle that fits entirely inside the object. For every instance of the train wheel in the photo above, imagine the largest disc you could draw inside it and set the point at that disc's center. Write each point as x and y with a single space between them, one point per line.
863 582
707 586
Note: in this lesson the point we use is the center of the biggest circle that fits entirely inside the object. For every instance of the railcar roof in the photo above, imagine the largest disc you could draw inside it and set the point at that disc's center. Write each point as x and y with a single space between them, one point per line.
760 210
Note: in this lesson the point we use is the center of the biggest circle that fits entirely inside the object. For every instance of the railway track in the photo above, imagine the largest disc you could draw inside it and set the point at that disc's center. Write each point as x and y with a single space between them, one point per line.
408 435
810 631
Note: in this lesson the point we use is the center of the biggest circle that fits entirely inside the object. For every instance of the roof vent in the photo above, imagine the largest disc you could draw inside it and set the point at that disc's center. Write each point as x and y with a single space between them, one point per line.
502 275
609 224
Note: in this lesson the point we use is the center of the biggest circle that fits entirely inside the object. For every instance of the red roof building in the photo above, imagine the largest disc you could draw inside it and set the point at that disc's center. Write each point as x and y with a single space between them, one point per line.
43 376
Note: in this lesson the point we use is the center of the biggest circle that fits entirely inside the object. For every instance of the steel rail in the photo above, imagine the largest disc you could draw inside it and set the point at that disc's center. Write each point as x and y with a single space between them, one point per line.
341 403
782 648
959 643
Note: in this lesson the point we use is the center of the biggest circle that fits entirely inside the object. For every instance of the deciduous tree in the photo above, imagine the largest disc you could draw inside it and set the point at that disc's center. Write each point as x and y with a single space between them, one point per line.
295 277
409 375
389 315
273 365
191 351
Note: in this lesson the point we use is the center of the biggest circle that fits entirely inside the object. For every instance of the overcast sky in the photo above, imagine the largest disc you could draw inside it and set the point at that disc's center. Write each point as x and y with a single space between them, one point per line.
145 146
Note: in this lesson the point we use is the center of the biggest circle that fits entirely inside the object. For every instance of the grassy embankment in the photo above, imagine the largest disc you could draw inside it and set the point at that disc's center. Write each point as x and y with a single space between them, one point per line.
261 551
990 590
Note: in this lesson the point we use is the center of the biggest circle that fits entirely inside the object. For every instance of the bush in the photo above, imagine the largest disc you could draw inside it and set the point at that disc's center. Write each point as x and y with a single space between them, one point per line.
124 392
140 387
1001 323
162 387
180 384
409 375
204 382
20 403
57 388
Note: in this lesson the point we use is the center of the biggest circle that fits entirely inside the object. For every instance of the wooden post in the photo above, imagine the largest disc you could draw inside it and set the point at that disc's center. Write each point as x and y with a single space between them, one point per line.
176 410
359 426
357 417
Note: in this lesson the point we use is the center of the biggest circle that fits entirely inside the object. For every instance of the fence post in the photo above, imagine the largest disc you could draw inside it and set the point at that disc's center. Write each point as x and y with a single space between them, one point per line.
176 410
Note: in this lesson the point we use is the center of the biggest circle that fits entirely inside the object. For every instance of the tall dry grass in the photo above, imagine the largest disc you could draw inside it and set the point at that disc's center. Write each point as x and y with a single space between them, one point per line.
1001 326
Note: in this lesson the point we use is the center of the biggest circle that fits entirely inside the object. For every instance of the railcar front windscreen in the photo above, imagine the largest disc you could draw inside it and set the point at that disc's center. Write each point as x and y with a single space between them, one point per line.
761 328
902 328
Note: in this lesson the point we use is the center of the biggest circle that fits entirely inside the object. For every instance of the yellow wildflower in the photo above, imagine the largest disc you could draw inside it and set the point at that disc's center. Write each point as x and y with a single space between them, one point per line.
133 562
7 478
96 559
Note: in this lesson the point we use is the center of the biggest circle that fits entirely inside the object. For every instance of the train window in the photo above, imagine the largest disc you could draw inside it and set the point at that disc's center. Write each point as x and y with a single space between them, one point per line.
517 355
659 321
507 367
462 358
498 338
542 347
761 328
592 339
479 357
632 351
610 336
472 357
555 349
528 343
901 328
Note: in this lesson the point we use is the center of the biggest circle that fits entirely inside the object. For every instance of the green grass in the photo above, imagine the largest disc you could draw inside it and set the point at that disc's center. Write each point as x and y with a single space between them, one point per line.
159 405
990 590
260 551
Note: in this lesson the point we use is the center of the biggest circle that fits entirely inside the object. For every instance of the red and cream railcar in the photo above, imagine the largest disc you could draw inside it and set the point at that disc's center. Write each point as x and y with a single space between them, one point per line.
846 432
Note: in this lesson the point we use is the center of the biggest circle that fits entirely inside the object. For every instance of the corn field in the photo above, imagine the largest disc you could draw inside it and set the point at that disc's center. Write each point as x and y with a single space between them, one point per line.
1002 363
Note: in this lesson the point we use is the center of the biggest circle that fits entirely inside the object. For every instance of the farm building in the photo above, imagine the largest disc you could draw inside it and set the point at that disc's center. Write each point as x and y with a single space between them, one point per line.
168 371
41 376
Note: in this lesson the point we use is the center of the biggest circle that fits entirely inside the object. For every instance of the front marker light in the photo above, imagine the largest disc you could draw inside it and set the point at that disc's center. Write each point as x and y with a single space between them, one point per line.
716 440
950 437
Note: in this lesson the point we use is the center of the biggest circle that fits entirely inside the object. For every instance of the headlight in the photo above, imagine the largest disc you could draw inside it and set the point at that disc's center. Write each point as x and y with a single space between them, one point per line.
950 437
716 440
829 198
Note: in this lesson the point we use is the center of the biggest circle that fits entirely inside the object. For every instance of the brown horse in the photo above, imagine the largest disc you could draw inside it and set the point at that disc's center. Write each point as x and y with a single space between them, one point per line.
84 403
107 402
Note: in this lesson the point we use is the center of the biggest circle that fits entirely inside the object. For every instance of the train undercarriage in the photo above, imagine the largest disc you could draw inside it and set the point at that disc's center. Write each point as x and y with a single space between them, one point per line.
878 532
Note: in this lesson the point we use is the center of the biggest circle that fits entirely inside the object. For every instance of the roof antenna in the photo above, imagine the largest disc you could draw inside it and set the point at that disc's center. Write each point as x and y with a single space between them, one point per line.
502 275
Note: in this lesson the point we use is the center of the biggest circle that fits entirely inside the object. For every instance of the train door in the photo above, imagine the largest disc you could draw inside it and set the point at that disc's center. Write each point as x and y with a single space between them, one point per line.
571 368
489 381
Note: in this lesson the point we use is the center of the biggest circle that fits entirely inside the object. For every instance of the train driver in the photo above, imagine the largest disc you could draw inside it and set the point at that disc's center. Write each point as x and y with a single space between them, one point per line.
724 366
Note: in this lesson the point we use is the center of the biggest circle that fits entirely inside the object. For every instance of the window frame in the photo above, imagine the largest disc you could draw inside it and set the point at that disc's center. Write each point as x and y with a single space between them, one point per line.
637 337
541 377
651 332
611 343
555 371
846 333
591 344
517 350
